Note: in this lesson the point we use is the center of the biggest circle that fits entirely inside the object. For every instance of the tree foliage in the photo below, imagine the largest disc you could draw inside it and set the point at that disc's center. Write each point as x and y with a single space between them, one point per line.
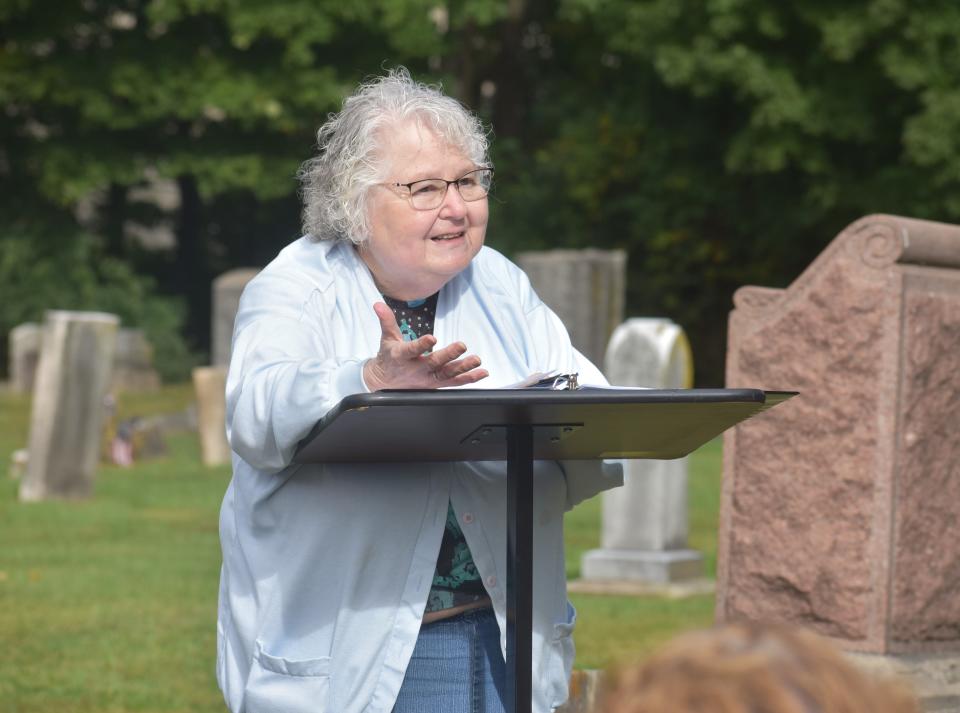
719 141
38 275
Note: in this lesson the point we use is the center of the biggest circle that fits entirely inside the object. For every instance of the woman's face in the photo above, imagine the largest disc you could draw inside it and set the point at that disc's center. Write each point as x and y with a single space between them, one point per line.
413 253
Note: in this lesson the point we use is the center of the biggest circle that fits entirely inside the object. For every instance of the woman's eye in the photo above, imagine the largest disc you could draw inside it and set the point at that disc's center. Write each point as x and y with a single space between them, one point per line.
467 182
424 189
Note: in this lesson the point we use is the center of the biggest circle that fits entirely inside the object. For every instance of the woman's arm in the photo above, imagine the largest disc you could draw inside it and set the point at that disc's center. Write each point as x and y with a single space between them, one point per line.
286 370
283 373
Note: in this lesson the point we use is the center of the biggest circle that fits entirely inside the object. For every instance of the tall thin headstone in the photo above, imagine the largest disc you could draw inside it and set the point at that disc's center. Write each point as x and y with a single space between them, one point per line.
73 378
587 290
645 527
227 289
840 511
209 385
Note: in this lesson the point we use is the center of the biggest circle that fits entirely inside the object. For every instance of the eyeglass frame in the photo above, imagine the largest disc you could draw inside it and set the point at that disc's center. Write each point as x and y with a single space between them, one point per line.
409 186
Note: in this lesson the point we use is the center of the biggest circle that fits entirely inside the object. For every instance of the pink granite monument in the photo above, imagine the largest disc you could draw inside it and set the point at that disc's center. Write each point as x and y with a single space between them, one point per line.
840 511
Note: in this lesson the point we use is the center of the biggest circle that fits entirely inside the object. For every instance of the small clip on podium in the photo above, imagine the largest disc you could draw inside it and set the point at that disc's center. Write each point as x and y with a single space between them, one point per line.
523 425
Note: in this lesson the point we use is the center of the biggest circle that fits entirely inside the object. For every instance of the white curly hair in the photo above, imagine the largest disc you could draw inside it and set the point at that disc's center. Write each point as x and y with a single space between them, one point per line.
335 183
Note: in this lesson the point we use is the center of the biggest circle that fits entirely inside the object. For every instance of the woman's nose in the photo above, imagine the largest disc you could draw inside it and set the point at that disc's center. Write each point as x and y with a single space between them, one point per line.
453 205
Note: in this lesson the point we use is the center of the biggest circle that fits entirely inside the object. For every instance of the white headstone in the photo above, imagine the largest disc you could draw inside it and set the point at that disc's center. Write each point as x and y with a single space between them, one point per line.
587 290
24 354
227 289
72 382
645 522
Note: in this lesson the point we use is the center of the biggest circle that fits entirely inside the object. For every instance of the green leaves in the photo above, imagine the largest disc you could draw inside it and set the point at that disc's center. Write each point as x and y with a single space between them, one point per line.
40 272
181 101
719 141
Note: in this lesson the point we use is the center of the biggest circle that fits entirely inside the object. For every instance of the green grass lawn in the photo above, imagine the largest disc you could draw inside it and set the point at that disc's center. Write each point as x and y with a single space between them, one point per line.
108 605
615 629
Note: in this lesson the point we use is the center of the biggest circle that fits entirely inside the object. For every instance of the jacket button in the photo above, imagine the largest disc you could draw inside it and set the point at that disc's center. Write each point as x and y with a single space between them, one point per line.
491 581
468 518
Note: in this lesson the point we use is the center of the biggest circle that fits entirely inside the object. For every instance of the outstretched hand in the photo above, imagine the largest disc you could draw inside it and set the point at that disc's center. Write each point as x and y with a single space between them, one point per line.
407 365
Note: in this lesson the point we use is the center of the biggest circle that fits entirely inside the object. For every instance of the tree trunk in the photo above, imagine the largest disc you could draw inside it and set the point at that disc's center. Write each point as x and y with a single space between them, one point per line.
191 271
509 104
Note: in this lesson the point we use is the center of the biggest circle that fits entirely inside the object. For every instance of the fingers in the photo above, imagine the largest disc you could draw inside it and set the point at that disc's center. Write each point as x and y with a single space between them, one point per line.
449 370
388 323
453 368
460 372
391 333
469 377
419 346
441 357
401 364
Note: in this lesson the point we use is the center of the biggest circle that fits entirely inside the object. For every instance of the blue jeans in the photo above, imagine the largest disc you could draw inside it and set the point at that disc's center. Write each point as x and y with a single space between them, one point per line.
456 667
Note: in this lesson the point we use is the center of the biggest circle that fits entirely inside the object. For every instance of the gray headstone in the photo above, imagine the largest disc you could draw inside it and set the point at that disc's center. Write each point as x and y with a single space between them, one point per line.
586 288
133 365
24 353
73 378
645 522
226 300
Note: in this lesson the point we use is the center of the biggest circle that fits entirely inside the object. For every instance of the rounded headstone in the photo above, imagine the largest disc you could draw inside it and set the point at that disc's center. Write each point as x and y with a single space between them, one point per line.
649 351
644 533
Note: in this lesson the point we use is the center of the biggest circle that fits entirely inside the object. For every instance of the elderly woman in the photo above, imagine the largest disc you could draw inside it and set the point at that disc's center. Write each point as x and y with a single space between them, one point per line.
381 587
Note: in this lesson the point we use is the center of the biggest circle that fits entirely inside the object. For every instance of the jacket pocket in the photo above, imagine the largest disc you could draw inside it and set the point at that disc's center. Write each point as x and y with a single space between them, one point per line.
282 685
561 654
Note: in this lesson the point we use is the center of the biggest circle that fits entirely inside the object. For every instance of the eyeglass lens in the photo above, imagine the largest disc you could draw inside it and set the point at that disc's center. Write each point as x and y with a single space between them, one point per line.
430 193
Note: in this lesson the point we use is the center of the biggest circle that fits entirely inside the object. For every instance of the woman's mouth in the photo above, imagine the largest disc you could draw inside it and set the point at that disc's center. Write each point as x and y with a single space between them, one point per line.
447 236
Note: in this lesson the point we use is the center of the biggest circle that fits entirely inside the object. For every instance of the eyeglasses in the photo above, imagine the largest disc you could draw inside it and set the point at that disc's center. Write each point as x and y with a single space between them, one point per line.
430 192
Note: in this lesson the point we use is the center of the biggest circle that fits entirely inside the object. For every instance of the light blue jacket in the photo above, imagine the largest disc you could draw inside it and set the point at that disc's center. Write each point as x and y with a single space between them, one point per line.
326 568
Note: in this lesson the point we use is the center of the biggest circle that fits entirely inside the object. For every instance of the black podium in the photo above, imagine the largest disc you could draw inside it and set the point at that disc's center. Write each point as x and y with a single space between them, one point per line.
520 426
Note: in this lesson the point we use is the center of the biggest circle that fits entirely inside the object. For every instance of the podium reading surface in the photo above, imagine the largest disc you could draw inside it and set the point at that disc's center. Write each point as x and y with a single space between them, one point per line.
520 426
470 424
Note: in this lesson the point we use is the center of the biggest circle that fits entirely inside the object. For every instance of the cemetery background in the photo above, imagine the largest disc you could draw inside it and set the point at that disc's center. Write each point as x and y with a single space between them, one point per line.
151 147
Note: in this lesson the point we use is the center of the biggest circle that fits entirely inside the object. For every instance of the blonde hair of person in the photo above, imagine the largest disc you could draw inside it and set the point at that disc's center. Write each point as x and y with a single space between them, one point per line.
754 668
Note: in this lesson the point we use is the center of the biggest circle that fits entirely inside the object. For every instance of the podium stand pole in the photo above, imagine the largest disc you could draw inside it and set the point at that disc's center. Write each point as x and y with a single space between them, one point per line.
519 567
